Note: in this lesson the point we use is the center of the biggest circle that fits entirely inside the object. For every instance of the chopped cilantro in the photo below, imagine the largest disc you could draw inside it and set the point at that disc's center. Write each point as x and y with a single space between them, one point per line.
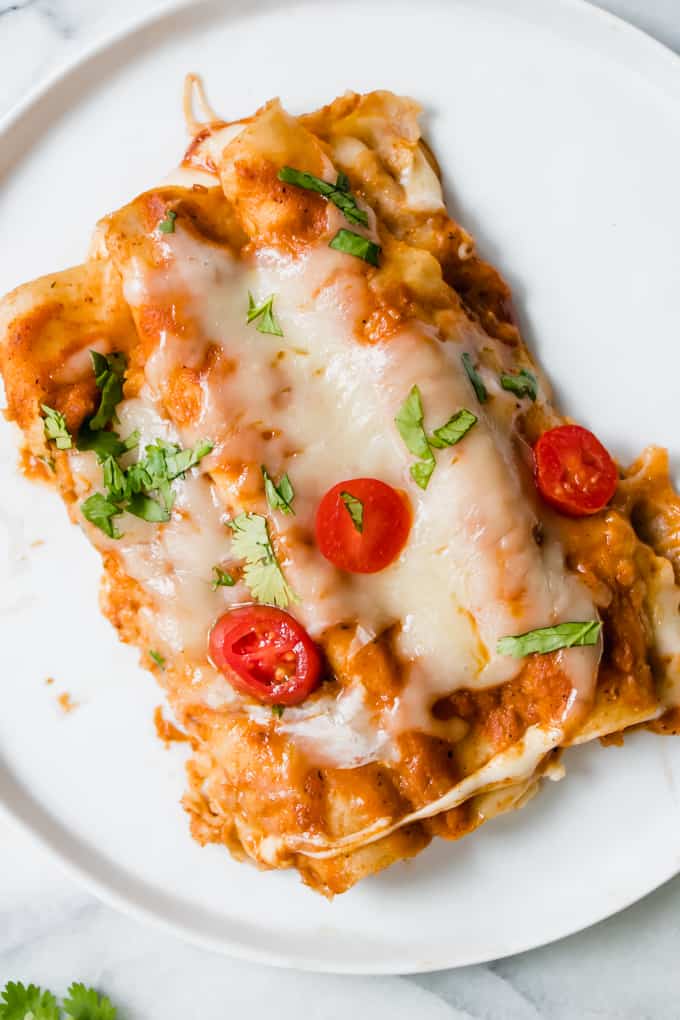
222 579
338 193
262 573
55 428
355 509
265 313
280 497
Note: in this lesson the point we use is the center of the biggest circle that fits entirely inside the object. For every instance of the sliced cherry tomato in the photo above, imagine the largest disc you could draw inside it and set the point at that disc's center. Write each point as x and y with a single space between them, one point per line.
574 472
365 537
266 653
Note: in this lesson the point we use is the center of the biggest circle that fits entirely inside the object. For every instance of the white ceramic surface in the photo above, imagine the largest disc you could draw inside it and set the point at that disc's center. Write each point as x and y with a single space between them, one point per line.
561 141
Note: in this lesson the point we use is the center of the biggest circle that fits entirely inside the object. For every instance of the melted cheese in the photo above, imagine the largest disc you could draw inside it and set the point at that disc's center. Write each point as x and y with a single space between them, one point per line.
471 571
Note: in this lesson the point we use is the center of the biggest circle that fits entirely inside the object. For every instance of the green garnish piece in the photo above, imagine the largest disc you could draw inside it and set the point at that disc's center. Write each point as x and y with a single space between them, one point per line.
262 573
355 508
222 579
475 378
108 372
280 497
28 1002
338 193
157 658
148 509
104 443
114 480
458 425
409 421
265 313
550 639
100 511
278 710
356 244
21 1001
167 225
342 183
523 384
55 429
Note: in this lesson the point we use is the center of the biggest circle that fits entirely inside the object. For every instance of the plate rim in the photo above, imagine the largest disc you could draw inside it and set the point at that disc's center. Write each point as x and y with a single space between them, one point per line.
661 65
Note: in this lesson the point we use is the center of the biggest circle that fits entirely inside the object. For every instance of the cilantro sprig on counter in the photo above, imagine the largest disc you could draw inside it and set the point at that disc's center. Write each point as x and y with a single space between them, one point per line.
29 1002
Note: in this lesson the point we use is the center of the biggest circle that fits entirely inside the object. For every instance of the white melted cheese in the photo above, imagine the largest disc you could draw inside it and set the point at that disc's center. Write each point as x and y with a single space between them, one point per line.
471 572
515 766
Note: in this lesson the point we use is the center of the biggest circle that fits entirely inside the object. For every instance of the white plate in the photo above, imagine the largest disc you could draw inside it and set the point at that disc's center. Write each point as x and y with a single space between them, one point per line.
558 129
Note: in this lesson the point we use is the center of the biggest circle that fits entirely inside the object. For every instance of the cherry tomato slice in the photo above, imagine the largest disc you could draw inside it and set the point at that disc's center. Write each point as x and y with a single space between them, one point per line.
266 653
385 524
574 472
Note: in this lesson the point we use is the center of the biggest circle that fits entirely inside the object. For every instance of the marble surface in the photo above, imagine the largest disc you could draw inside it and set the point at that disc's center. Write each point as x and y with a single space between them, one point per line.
52 932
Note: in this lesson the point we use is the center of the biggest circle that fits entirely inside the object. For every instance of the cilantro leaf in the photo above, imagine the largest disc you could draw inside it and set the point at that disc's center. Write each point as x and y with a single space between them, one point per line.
114 480
265 313
86 1004
21 1001
355 508
100 511
421 472
338 193
157 658
550 639
167 225
104 443
475 378
108 372
409 421
262 573
458 425
179 461
55 428
222 579
280 497
278 710
523 384
148 509
356 244
342 182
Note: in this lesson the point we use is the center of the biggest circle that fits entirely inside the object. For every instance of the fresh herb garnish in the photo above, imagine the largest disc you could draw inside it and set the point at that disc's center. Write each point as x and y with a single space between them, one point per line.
55 428
222 579
147 508
143 489
262 573
458 425
114 480
104 443
281 496
265 313
550 639
355 244
522 385
167 225
108 372
338 193
355 508
409 421
28 1002
100 511
475 378
157 658
278 710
